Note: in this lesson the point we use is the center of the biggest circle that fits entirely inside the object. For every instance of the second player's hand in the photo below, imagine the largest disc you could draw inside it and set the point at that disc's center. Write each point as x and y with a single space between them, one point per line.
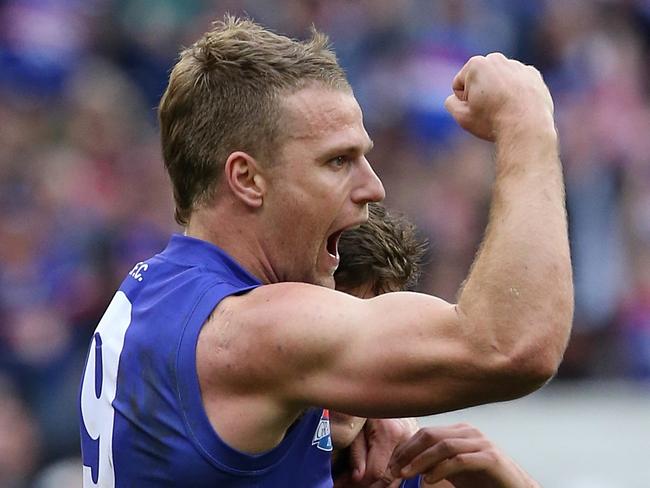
458 456
493 93
374 446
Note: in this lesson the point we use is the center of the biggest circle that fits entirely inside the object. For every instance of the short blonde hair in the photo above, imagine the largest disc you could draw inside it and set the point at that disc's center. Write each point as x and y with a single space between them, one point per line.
223 96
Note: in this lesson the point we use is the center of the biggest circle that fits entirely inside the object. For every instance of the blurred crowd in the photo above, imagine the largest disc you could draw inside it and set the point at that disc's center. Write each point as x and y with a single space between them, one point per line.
83 194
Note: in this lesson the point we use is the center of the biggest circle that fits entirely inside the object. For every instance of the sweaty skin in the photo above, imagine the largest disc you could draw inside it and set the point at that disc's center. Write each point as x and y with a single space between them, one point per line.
315 346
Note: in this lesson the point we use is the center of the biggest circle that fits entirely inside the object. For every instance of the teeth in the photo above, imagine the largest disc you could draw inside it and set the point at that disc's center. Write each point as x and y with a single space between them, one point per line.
333 255
333 241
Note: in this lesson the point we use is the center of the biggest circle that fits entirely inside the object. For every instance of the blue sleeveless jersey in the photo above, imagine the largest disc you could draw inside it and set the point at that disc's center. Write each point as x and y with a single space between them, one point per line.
142 419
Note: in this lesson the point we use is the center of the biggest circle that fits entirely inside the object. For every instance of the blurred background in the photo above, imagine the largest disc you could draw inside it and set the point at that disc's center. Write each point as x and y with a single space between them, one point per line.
83 195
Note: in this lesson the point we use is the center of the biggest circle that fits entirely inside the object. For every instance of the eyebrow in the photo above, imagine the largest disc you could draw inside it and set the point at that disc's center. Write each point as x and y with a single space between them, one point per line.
354 149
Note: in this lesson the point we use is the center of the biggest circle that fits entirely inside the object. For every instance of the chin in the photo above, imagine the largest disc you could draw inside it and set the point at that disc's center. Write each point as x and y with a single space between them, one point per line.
326 281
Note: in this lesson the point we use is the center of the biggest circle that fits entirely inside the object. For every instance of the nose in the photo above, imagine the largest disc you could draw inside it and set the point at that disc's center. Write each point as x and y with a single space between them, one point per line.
369 187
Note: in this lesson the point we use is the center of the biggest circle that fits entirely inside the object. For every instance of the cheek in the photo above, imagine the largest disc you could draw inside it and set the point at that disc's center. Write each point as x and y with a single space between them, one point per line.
303 210
297 233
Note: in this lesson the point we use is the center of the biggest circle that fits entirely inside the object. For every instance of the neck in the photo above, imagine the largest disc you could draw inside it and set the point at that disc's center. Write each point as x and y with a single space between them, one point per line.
232 229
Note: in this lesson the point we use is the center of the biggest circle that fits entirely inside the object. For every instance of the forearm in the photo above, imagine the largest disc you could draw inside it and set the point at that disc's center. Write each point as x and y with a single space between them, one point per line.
519 291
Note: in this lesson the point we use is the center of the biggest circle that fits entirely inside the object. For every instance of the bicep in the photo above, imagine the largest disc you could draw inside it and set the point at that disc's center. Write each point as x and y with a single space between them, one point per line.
400 354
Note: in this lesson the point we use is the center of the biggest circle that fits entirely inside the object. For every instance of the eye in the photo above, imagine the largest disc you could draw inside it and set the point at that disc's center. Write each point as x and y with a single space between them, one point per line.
339 161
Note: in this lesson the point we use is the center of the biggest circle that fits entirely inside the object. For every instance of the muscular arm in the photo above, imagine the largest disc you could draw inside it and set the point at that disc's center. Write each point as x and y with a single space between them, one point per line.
520 282
520 285
405 354
321 347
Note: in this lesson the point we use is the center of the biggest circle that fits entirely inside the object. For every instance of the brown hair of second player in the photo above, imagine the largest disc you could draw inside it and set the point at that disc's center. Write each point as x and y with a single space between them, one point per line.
385 253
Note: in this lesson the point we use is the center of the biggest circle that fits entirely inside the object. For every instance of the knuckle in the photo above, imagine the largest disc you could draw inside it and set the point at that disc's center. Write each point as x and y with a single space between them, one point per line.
485 444
476 60
427 435
496 55
534 70
491 455
446 447
461 459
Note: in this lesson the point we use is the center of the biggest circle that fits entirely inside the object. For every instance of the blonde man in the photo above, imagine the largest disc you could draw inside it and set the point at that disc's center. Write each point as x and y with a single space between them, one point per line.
214 362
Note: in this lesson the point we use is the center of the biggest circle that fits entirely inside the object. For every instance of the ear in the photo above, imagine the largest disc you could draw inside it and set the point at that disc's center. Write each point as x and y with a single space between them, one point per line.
245 179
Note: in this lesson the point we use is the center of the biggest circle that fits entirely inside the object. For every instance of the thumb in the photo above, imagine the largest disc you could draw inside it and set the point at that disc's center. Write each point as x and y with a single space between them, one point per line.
358 456
459 109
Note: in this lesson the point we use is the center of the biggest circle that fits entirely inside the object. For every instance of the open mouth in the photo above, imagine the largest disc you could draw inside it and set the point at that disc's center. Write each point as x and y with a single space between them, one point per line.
333 244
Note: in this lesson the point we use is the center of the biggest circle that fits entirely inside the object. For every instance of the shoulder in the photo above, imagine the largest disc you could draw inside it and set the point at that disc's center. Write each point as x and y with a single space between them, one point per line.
268 304
294 321
269 332
275 310
248 351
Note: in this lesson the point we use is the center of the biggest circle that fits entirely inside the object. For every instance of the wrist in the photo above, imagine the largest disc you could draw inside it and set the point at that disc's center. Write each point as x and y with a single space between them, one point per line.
539 130
527 147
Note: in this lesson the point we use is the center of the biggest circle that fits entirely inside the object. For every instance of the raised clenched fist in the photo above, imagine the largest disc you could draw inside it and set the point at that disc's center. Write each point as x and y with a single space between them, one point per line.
494 94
